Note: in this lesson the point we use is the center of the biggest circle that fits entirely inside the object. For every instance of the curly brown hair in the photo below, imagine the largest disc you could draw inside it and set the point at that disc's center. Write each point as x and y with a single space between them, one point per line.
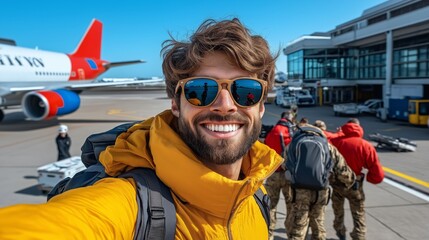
249 52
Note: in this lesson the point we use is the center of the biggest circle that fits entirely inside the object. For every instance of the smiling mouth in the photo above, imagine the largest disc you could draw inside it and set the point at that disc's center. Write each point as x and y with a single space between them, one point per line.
222 127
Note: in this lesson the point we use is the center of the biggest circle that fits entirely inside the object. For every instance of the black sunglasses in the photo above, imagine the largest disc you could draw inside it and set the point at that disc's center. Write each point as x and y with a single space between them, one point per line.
203 91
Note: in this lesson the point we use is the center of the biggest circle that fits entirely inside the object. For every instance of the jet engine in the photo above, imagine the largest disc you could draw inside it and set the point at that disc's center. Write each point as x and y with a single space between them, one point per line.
45 104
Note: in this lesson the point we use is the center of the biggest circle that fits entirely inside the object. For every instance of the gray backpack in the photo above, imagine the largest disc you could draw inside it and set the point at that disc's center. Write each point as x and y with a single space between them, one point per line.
309 162
156 218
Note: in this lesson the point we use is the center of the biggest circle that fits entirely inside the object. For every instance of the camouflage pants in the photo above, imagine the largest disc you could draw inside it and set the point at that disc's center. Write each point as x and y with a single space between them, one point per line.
356 199
274 184
307 208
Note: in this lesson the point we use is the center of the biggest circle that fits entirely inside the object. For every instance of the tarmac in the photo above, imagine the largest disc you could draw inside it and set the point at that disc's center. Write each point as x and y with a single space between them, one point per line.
397 208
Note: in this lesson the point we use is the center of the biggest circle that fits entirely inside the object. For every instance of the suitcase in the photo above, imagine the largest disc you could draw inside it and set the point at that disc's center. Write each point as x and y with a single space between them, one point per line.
50 174
396 144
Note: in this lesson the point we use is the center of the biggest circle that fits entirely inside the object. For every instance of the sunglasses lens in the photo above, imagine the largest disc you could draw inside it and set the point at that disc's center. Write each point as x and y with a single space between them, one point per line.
201 91
246 92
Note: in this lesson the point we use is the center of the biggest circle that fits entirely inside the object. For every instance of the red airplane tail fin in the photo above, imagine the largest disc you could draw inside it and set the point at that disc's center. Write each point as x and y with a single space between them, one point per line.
90 44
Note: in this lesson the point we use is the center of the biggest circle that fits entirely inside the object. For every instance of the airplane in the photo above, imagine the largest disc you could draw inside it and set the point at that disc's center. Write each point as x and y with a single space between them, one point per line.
47 84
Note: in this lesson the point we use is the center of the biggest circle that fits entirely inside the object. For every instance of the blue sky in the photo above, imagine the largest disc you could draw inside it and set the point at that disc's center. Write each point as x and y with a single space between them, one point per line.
136 29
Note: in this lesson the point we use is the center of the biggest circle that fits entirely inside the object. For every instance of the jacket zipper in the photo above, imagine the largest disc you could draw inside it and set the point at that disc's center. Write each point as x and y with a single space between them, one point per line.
233 210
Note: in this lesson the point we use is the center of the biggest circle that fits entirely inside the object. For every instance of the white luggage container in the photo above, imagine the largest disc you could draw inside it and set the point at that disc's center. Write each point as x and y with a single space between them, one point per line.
50 174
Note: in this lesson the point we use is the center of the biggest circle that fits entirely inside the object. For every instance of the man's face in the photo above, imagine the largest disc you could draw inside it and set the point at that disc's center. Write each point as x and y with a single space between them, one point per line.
223 132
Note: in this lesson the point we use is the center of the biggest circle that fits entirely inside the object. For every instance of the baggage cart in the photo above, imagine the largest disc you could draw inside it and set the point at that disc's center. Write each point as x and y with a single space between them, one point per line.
50 174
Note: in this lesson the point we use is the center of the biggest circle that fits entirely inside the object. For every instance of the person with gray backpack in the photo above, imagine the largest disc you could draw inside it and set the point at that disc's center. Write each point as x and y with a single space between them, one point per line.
312 164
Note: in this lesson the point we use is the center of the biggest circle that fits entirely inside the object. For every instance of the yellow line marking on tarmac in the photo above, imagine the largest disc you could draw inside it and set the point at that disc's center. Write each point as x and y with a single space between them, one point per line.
391 129
118 112
405 176
272 114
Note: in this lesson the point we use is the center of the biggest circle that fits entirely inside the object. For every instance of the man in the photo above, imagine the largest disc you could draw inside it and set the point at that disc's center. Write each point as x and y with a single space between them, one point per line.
294 109
278 138
359 154
207 155
303 121
306 207
63 143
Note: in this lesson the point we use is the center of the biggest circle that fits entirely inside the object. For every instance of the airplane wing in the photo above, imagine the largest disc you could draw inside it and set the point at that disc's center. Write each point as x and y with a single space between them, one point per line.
11 88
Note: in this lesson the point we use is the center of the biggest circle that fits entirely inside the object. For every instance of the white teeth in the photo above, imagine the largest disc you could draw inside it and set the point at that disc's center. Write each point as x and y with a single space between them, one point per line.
222 128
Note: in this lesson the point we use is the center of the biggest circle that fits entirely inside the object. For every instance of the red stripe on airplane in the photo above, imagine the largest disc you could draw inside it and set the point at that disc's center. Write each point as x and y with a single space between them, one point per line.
55 102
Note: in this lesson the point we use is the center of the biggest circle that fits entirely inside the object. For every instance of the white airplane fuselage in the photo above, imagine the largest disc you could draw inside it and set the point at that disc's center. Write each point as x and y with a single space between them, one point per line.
19 64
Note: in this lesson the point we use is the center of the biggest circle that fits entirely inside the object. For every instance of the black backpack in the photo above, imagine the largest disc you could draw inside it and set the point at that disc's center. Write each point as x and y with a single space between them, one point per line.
156 218
309 162
265 129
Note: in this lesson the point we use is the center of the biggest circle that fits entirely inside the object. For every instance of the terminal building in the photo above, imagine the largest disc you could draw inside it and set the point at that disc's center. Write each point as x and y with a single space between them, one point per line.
382 54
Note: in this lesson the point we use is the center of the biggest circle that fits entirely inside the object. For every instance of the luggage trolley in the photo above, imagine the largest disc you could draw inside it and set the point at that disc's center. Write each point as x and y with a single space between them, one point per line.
52 173
397 144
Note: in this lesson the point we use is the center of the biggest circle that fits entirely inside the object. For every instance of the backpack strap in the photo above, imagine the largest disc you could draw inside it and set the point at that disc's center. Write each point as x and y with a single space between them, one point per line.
156 217
263 202
282 144
285 122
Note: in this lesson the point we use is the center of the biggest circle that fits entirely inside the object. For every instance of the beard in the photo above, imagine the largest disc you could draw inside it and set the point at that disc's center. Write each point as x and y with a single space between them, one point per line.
219 151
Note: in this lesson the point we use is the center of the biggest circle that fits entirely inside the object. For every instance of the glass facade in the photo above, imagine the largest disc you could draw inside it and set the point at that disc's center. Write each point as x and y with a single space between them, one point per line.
410 60
295 65
372 62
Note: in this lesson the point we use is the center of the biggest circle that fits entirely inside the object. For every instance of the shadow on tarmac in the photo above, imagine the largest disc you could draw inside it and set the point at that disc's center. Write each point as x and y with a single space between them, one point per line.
16 121
32 190
31 177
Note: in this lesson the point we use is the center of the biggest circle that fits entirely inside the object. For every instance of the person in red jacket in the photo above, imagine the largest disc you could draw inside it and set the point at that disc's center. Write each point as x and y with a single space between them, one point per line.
359 154
278 138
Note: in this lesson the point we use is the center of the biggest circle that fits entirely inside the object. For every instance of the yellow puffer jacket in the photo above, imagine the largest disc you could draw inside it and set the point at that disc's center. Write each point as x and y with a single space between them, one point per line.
208 205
